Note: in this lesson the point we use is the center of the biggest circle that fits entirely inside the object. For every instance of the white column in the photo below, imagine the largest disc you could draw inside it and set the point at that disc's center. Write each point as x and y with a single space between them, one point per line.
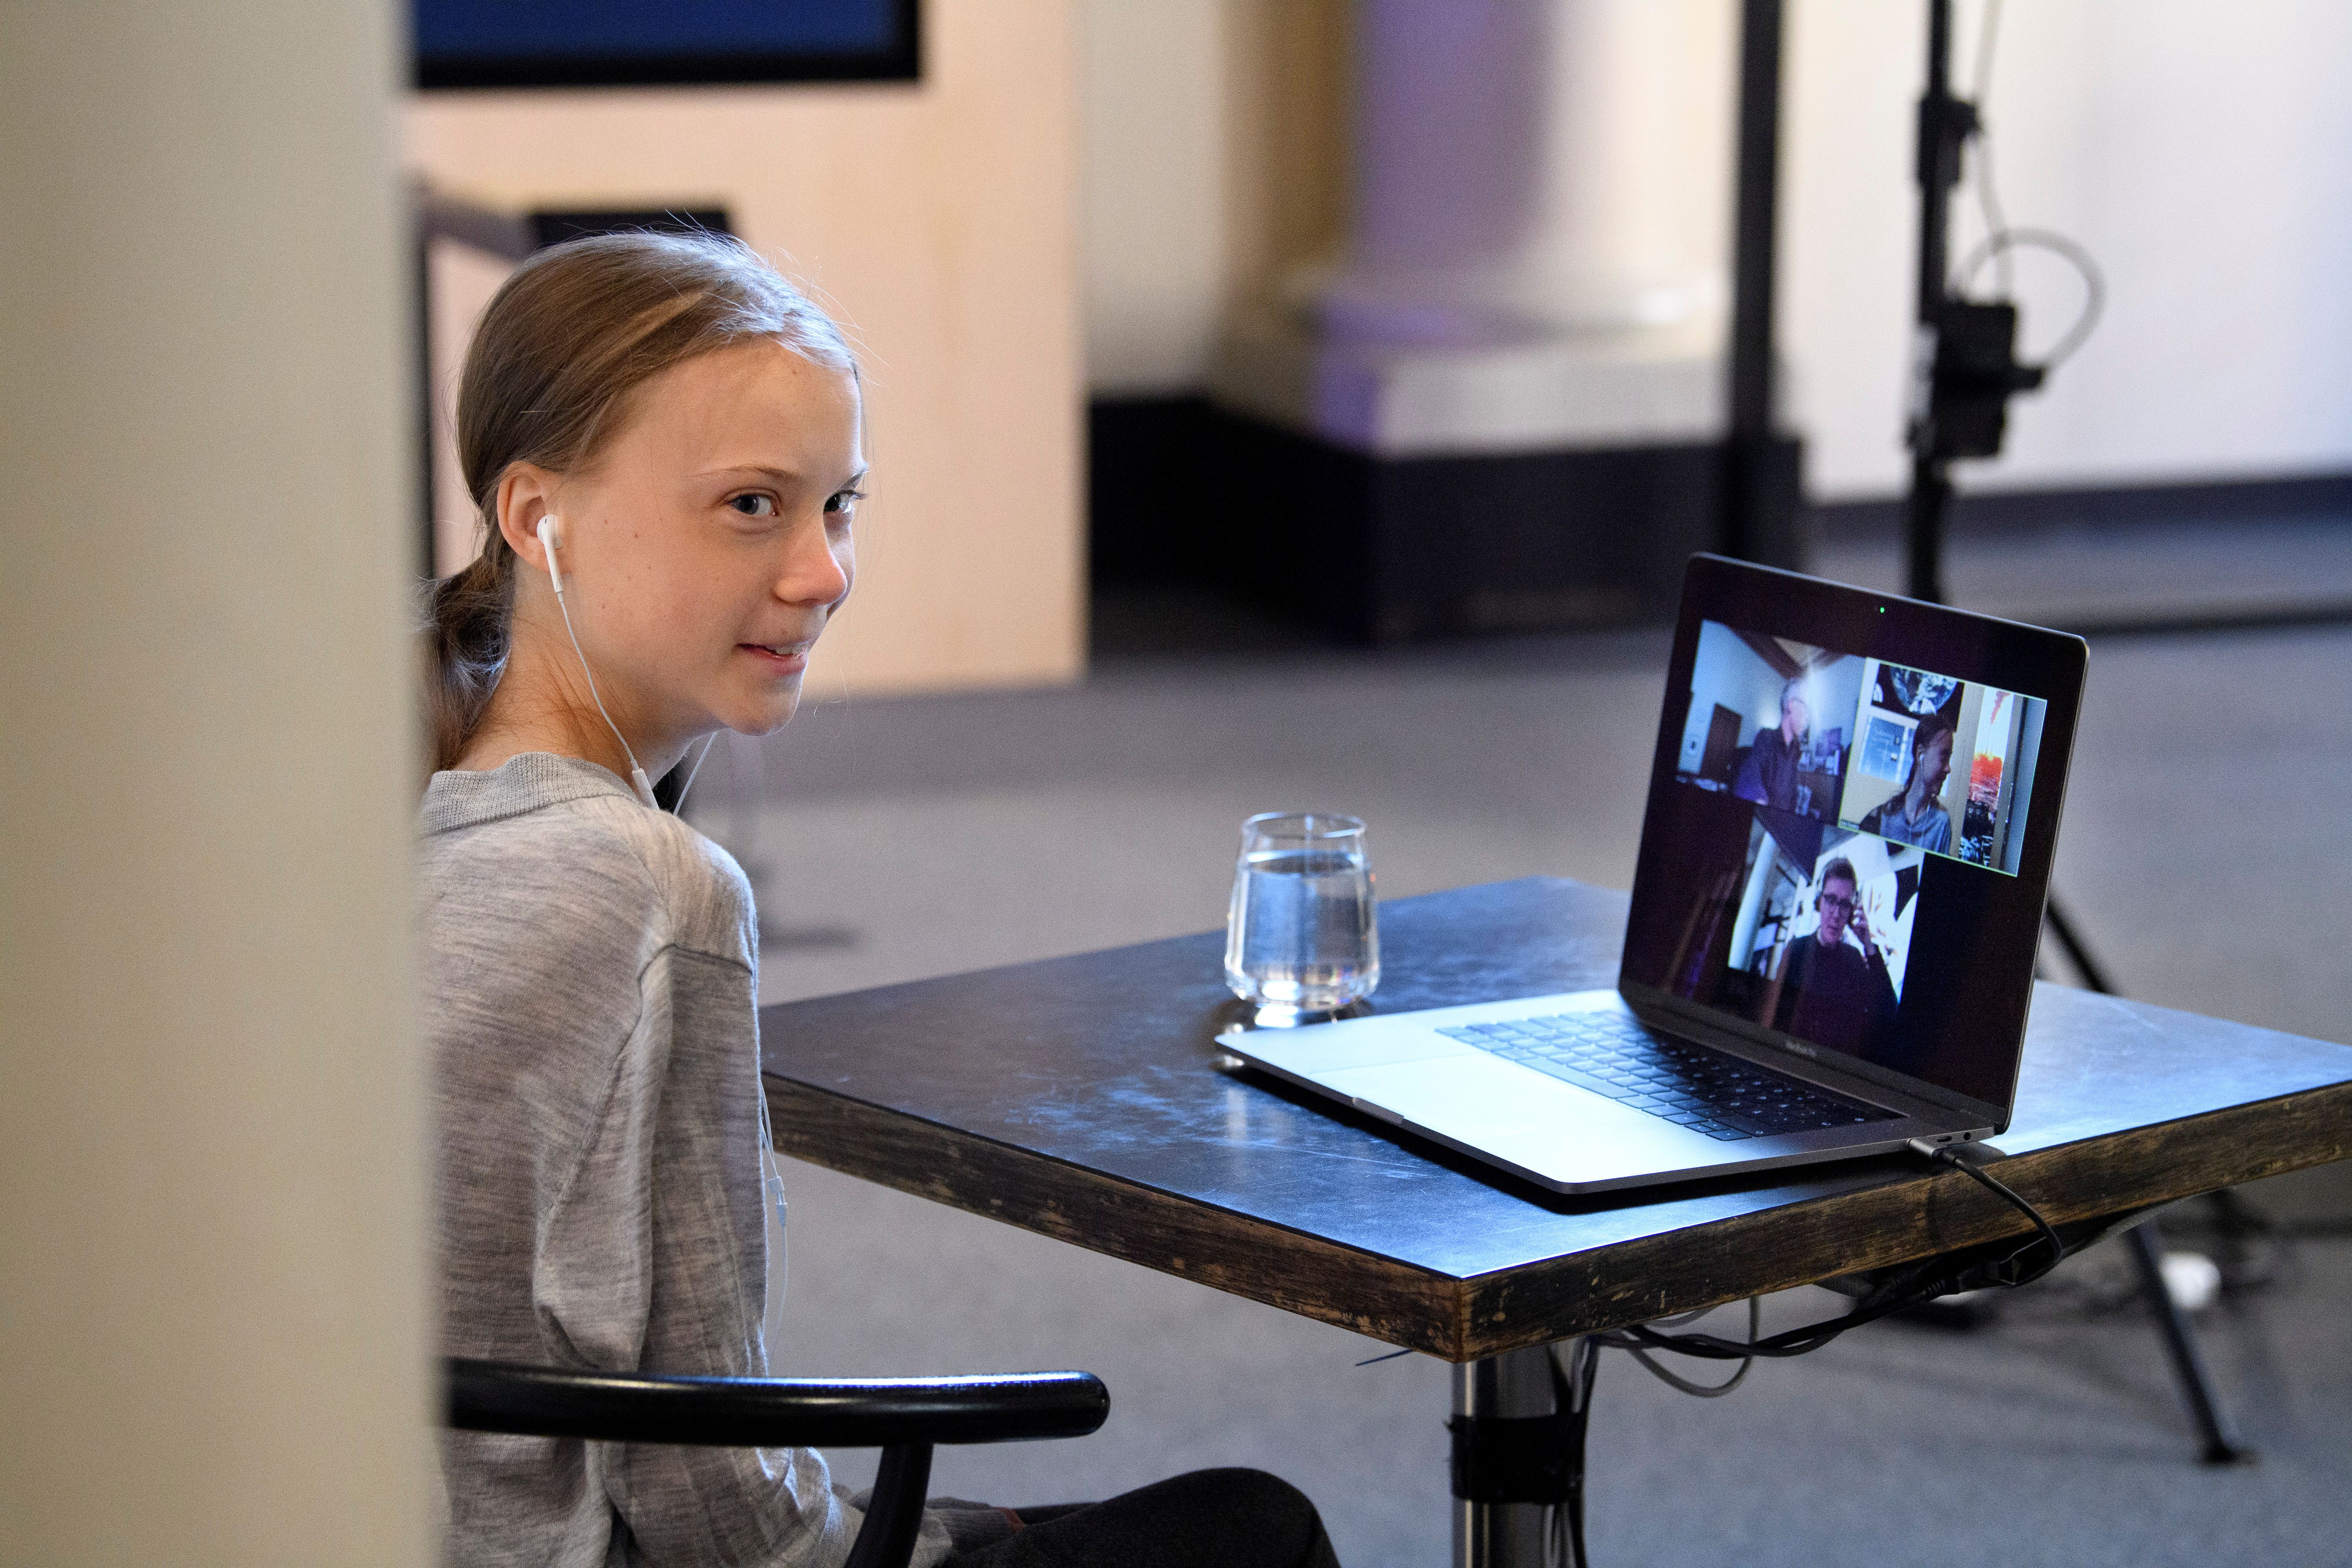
212 1142
1540 225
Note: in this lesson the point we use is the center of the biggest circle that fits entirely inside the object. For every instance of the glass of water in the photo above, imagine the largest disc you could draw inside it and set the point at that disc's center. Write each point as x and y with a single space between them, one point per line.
1301 939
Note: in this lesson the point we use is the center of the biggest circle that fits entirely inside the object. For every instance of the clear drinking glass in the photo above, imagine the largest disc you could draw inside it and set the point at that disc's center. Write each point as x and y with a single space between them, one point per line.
1301 939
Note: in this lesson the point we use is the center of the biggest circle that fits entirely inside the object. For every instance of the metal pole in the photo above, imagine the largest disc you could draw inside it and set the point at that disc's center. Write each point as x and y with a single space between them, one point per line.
1747 527
1945 124
1501 1534
1939 160
1931 496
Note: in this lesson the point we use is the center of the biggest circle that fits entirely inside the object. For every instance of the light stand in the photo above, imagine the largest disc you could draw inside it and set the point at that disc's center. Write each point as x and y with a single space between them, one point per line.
1964 365
1964 372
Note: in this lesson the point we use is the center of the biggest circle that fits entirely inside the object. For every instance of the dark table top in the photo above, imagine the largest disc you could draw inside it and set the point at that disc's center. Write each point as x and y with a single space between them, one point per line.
1086 1098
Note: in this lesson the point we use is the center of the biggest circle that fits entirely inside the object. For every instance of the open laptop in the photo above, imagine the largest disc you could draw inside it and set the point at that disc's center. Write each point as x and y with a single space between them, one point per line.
1830 951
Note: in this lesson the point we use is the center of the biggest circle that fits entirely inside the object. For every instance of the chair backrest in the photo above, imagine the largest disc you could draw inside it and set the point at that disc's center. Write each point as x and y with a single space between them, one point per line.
903 1416
773 1413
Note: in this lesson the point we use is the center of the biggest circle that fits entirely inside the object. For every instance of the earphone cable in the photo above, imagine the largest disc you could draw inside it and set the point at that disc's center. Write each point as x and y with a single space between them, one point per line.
693 773
637 773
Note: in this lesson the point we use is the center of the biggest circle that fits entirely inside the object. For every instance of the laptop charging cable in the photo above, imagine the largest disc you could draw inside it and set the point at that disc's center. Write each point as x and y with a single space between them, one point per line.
1950 1154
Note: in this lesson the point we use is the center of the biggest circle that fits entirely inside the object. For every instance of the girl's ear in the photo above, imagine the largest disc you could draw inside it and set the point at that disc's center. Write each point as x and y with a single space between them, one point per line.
526 494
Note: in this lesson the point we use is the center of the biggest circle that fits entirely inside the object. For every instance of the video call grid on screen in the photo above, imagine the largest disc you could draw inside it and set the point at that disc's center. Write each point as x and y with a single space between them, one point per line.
1810 890
1909 755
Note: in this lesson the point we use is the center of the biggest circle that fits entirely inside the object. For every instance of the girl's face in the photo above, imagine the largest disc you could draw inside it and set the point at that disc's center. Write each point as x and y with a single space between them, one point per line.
709 543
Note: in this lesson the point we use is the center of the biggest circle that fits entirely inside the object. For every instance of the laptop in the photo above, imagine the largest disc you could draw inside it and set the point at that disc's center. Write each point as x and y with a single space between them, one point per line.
1852 808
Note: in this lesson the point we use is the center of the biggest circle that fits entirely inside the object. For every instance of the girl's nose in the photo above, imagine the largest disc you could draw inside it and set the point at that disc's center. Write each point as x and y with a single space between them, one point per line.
816 569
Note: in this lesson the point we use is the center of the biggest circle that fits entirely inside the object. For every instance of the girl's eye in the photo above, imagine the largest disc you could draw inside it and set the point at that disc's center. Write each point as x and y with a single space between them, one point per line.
843 502
754 505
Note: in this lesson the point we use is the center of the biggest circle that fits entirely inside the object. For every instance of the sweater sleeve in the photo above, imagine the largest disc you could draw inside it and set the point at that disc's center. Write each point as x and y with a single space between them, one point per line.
654 1259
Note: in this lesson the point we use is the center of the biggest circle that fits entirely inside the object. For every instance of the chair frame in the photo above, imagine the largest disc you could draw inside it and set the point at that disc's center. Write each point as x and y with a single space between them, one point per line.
903 1416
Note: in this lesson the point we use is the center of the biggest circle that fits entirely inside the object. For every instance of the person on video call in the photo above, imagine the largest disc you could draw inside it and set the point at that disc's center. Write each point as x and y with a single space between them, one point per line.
1834 992
1768 776
1914 816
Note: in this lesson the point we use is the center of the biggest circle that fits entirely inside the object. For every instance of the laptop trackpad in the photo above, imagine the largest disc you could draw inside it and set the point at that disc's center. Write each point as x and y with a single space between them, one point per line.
1524 1118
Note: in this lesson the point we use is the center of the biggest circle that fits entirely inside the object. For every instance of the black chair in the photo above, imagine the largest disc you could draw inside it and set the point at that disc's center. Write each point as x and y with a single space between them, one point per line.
903 1416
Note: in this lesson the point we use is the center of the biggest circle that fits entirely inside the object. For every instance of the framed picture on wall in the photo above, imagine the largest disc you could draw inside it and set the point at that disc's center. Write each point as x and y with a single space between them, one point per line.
1886 745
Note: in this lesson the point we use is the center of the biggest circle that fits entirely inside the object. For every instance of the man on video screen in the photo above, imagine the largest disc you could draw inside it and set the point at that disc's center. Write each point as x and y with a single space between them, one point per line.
1833 992
1914 816
1768 776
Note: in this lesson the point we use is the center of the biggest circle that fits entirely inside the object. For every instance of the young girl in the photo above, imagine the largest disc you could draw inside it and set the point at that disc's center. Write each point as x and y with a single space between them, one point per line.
665 442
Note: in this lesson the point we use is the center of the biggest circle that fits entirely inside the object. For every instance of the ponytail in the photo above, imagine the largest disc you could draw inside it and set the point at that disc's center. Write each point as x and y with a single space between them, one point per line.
469 618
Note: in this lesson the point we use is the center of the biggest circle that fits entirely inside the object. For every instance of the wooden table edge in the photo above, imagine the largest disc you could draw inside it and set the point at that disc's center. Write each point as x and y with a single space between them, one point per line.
1239 1254
1461 1319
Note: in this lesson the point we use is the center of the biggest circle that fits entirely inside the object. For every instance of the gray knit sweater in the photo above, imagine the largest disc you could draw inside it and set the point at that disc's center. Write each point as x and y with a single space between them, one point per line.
591 985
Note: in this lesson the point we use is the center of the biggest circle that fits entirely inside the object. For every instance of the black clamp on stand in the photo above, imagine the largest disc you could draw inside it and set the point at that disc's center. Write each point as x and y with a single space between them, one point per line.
1514 1458
1974 373
1518 1425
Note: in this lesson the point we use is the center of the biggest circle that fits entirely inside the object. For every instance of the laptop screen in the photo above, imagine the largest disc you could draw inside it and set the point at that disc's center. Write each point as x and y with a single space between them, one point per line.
1850 825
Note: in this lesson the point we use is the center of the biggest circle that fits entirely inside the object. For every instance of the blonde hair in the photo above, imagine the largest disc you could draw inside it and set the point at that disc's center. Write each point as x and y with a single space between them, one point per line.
576 331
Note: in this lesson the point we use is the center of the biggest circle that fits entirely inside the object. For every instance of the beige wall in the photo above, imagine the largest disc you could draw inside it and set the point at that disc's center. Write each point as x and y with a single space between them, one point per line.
213 1303
1152 207
1864 793
1287 157
1215 137
938 220
1216 163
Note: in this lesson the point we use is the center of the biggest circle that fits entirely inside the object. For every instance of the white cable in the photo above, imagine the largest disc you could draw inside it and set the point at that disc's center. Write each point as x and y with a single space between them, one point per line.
636 774
2094 283
1986 197
679 808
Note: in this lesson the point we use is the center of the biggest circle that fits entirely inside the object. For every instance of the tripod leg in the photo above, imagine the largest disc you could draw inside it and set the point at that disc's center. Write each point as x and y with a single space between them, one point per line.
2077 954
2221 1444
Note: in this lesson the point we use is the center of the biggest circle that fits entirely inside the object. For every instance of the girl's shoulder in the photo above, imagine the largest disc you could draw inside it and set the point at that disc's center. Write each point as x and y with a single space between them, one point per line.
697 884
579 847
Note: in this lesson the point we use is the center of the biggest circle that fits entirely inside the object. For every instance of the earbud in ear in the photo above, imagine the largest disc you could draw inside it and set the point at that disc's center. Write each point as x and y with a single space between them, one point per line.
548 527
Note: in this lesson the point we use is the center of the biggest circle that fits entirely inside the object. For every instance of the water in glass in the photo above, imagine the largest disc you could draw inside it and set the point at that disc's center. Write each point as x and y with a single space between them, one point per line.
1302 937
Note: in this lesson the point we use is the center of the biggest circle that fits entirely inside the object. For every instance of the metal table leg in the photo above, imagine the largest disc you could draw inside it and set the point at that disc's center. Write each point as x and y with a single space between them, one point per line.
1519 1385
1502 1534
2222 1444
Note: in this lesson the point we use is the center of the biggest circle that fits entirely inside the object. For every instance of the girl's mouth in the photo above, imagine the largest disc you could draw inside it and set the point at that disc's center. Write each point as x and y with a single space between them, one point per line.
781 659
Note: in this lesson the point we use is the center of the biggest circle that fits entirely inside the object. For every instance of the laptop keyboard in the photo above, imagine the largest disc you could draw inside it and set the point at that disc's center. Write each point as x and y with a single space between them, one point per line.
1713 1092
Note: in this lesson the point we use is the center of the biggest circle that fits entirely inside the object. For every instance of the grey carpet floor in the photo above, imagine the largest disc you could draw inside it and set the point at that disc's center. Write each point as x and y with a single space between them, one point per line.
2203 851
